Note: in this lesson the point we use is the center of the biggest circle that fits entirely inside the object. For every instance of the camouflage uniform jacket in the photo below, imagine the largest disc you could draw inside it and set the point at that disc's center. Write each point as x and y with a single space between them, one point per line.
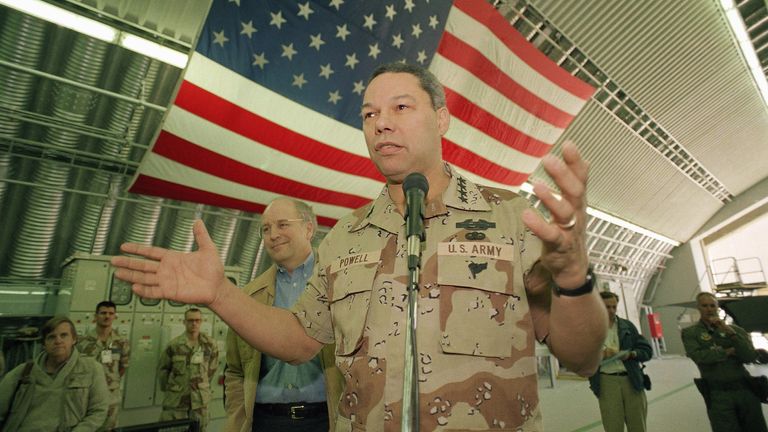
244 363
74 399
90 346
706 347
475 333
186 372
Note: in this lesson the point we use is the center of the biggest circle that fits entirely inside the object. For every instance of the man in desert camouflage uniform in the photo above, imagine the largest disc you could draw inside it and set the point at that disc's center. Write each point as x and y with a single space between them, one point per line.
490 266
187 366
113 351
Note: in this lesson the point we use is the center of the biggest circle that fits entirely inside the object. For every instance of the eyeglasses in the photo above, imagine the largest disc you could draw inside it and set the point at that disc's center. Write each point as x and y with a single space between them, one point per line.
281 225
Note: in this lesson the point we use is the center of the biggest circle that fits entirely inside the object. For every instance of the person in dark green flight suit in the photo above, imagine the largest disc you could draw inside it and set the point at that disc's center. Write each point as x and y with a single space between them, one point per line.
720 351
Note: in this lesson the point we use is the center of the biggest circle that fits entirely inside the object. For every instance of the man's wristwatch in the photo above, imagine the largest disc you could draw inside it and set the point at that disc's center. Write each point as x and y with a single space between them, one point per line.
587 288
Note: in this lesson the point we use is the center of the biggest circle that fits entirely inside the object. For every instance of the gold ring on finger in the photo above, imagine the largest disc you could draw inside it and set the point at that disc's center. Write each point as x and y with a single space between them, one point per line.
567 226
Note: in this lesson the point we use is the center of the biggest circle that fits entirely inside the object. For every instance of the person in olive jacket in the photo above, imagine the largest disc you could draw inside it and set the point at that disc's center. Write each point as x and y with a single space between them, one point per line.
59 390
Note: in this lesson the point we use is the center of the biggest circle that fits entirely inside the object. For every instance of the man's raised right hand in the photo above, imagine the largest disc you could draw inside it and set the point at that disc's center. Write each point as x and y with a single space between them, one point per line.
187 277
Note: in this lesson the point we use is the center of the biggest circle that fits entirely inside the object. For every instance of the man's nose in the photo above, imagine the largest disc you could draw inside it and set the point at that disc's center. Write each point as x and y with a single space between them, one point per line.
383 122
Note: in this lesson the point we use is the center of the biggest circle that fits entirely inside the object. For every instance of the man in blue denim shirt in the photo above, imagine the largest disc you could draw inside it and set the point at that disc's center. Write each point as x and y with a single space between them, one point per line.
618 383
262 392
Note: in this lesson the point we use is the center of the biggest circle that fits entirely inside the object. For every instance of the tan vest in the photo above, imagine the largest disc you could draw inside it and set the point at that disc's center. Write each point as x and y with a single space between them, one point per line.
244 363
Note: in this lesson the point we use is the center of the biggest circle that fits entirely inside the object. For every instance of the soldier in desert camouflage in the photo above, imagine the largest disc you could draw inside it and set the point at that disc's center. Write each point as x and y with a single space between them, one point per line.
495 277
187 366
113 351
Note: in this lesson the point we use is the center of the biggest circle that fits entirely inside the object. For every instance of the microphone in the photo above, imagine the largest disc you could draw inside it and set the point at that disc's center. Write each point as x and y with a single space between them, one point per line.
415 187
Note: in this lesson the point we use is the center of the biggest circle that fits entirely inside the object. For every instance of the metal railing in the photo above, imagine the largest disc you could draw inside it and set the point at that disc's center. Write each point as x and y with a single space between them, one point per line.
729 274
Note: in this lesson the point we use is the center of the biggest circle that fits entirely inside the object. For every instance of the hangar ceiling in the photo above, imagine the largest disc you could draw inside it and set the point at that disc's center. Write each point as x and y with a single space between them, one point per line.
676 130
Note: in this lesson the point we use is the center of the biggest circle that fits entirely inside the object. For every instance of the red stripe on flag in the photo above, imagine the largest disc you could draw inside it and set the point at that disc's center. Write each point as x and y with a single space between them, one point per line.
148 185
202 159
469 161
485 70
490 125
491 18
248 124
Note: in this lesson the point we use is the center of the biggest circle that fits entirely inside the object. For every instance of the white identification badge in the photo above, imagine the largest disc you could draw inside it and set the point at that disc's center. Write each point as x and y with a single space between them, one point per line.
106 356
197 357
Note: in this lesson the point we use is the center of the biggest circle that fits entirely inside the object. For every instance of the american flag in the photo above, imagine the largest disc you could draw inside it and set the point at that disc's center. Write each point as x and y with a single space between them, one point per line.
270 101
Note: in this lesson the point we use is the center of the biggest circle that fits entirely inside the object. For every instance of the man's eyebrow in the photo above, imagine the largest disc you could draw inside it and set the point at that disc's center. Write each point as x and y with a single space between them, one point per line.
393 98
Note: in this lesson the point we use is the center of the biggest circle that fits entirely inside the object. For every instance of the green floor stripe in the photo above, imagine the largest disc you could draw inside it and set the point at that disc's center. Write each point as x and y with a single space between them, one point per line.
664 396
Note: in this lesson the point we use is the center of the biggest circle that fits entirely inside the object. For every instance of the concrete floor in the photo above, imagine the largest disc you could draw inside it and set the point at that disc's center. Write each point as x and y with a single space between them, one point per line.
674 404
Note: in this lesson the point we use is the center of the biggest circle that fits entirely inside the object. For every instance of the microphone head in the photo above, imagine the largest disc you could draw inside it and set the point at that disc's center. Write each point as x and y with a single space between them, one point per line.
416 180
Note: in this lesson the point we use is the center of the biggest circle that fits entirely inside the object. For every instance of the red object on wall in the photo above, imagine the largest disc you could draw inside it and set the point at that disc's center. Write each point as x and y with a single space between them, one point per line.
654 322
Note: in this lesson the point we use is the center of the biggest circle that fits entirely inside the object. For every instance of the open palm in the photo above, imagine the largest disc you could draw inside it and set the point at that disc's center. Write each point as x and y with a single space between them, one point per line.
187 277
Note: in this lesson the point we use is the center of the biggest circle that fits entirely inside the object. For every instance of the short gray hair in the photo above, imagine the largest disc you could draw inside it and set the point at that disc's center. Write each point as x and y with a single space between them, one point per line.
706 293
303 209
427 80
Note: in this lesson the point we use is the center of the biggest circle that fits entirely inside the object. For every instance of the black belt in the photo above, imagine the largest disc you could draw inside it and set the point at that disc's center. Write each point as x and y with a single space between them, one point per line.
296 410
615 373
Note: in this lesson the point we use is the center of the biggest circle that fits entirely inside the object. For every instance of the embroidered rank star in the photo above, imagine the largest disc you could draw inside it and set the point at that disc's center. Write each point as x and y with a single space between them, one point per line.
462 189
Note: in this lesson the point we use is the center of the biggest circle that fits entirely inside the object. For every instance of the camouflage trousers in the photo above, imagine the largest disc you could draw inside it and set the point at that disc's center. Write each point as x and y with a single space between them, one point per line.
199 414
111 422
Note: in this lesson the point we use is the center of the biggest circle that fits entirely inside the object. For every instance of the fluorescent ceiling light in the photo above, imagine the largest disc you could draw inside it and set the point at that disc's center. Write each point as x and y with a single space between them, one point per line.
7 292
64 18
3 292
629 225
87 26
527 187
747 48
153 50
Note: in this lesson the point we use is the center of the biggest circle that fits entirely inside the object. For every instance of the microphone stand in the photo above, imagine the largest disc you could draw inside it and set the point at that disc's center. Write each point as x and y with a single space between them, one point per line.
415 187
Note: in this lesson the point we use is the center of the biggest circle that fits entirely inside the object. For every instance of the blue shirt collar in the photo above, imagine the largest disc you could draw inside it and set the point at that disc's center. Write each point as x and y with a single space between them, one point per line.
305 269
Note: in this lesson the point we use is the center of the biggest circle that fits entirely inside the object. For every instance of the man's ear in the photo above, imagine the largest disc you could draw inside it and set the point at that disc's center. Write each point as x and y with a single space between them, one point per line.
310 230
443 120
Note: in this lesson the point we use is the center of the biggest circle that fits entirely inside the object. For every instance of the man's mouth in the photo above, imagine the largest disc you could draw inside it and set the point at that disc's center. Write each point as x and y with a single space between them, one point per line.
387 148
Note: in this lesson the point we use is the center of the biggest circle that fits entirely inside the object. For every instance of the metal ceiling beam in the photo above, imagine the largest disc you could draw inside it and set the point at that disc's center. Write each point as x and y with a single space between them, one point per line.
610 96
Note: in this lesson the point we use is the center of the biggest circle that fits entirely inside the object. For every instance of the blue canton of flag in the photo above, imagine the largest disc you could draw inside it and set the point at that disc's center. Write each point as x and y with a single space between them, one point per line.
320 54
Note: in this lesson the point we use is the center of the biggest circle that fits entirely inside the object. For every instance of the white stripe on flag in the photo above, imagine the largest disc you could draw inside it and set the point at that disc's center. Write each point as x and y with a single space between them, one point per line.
473 33
169 170
244 150
227 84
463 82
484 146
